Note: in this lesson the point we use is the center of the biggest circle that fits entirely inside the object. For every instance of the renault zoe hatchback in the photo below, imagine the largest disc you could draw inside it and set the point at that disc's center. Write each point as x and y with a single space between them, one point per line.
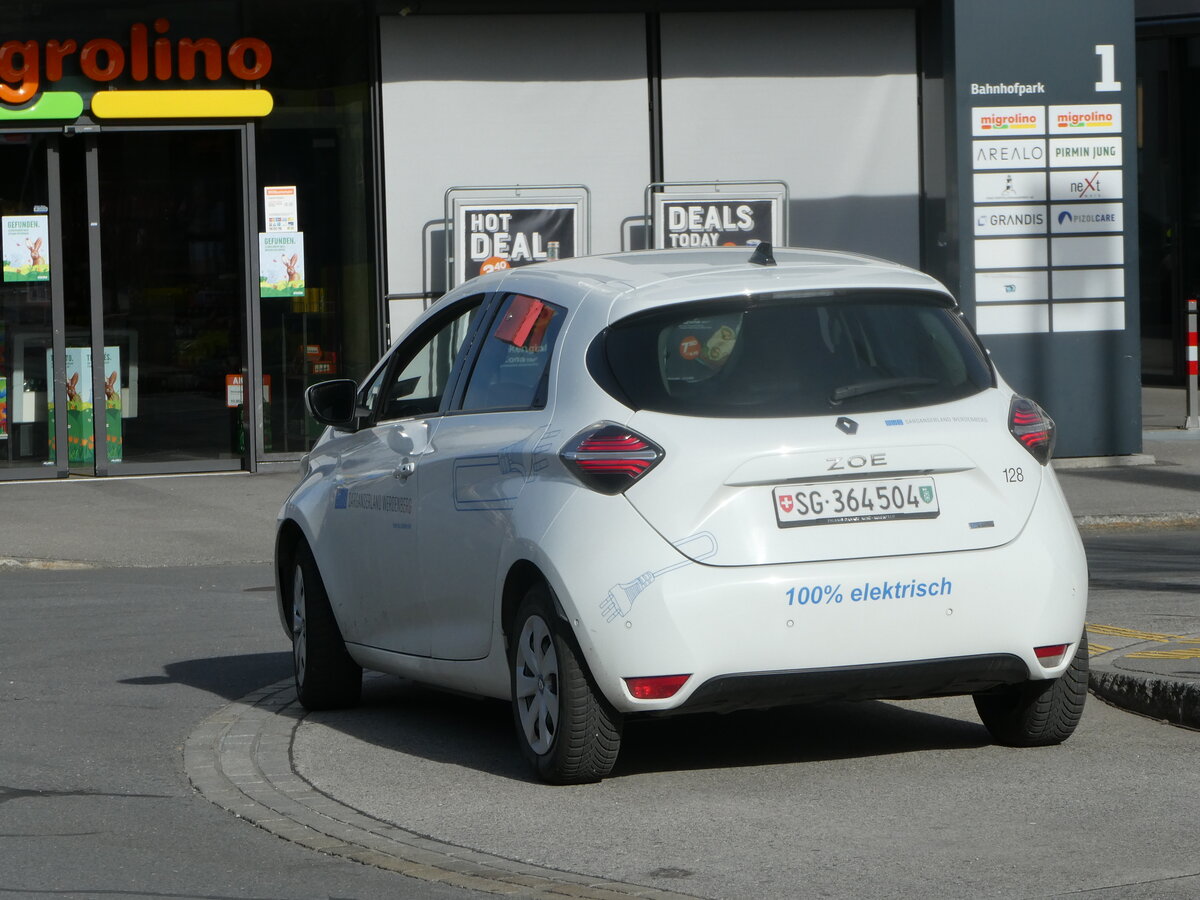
670 481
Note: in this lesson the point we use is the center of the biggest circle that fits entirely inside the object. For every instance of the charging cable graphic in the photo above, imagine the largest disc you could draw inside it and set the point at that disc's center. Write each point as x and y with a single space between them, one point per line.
621 597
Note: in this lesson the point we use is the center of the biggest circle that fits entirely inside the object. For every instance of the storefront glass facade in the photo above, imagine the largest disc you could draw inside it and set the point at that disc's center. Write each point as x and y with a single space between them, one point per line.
147 326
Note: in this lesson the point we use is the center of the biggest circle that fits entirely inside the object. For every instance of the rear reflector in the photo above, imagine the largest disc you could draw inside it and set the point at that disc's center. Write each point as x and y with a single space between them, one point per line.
609 458
1033 429
656 687
1051 655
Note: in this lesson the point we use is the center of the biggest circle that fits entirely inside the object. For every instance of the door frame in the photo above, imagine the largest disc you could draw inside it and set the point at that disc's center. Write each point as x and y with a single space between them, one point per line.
251 351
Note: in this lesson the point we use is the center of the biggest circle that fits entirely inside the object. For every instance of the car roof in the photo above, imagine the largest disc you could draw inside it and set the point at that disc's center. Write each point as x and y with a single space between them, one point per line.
644 278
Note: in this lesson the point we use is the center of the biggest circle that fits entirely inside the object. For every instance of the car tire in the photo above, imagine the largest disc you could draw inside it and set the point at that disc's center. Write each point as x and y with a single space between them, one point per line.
1038 713
566 728
326 676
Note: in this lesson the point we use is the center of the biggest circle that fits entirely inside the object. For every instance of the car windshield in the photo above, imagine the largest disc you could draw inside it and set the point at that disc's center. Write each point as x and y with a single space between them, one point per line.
793 355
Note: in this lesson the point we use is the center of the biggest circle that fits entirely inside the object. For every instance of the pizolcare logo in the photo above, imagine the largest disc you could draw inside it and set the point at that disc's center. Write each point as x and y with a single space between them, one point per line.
25 65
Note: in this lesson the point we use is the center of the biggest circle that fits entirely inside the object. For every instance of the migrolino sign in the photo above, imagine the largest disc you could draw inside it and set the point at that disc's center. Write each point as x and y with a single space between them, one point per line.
150 54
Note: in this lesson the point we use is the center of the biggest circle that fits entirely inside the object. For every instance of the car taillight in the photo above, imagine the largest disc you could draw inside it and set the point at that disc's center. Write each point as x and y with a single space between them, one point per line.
1051 655
656 687
1033 429
609 458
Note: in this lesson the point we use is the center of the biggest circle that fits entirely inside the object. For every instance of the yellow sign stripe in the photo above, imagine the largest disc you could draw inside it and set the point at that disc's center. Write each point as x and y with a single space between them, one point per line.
1097 649
1115 631
237 104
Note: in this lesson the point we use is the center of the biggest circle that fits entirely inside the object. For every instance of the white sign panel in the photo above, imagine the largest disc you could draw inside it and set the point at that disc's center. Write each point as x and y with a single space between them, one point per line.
1085 184
1008 121
1089 284
1033 318
998 287
1101 118
1075 152
1089 316
1010 220
1079 218
1010 187
1008 154
1011 253
1108 250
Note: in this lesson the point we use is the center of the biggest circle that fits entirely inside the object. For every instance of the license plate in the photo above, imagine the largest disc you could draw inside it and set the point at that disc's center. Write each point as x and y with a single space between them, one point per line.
836 502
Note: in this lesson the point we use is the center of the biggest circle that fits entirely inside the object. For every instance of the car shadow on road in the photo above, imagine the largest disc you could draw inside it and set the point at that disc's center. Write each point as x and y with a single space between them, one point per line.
449 729
229 677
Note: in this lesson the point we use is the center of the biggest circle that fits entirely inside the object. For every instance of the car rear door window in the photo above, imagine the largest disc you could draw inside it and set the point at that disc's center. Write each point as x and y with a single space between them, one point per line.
512 369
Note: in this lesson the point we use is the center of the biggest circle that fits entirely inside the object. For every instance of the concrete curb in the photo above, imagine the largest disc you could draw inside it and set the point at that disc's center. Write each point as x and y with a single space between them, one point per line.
1176 702
1149 520
240 759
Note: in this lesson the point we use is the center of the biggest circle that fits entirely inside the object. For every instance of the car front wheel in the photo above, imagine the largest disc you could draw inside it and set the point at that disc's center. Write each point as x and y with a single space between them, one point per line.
566 728
326 676
1038 713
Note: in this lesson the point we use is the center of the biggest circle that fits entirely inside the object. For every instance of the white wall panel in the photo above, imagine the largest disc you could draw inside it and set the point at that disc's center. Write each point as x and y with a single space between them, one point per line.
501 100
825 101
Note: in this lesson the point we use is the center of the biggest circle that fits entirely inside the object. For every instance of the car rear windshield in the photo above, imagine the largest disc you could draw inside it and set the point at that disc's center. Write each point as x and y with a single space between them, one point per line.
793 355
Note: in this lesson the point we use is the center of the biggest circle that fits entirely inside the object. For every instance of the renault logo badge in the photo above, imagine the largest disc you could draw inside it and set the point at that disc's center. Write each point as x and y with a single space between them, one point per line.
848 426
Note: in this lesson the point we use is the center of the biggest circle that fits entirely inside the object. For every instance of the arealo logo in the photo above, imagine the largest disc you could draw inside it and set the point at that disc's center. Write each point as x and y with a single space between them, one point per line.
26 67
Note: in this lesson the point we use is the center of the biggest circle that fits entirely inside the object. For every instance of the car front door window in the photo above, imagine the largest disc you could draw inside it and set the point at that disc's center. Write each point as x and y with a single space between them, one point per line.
423 372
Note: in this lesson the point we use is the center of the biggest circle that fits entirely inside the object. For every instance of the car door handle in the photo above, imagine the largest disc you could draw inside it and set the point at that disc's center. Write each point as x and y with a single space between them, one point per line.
404 470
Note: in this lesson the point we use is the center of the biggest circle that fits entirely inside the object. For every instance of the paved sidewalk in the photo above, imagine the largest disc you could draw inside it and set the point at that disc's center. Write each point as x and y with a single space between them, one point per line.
1137 663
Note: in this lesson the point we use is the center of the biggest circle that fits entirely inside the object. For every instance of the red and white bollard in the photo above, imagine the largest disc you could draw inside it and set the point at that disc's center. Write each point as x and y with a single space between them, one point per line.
1193 403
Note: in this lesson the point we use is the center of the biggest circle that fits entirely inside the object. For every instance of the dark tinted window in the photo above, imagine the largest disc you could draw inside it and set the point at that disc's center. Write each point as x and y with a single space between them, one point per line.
513 363
795 356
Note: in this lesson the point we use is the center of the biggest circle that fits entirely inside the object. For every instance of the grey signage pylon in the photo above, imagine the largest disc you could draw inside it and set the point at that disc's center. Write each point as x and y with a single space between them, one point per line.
1042 129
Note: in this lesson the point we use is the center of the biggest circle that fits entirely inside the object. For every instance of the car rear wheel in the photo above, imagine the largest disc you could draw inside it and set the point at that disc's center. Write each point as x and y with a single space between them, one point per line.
566 728
326 676
1038 713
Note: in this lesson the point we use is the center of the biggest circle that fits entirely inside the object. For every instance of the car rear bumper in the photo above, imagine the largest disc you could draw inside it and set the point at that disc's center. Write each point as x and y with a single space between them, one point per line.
890 627
893 681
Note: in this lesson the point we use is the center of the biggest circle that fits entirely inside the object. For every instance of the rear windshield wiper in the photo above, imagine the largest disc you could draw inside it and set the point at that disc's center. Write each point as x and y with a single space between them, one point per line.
846 391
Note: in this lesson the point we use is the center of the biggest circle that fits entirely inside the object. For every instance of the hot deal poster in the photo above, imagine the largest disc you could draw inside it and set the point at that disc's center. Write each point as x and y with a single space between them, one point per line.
500 236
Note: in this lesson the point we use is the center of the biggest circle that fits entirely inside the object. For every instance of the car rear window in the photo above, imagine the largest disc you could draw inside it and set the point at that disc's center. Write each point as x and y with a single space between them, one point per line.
793 355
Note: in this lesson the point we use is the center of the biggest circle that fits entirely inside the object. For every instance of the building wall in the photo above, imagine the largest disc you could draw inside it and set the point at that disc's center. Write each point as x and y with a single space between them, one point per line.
572 100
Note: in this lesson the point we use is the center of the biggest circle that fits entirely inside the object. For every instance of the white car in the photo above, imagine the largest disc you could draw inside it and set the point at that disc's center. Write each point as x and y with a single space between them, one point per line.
670 481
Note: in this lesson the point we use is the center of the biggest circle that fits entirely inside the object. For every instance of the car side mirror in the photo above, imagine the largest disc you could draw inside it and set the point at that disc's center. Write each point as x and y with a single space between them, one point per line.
334 403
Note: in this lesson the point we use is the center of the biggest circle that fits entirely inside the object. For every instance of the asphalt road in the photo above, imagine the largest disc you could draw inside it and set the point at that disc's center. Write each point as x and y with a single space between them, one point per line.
105 672
103 675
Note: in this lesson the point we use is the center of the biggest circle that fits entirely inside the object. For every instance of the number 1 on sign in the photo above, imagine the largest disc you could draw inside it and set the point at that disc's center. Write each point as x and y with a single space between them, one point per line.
1108 68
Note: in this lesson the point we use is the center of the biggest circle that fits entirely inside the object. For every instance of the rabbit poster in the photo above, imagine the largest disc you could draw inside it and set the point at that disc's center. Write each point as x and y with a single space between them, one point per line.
281 264
81 432
25 243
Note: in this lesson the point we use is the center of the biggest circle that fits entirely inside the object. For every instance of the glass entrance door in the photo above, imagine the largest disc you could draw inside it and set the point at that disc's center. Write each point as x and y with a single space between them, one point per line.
27 314
148 273
172 259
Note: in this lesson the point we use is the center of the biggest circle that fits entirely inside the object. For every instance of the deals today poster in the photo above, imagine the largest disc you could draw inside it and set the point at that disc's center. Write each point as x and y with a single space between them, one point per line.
25 244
